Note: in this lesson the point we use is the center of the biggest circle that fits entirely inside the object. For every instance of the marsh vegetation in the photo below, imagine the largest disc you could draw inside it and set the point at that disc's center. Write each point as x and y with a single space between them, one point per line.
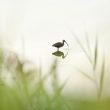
23 85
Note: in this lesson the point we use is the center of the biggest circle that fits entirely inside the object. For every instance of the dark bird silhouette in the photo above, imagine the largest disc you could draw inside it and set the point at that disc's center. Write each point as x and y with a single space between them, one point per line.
59 44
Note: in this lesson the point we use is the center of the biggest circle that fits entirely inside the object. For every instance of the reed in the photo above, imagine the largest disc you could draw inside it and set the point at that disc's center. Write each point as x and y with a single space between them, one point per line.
27 88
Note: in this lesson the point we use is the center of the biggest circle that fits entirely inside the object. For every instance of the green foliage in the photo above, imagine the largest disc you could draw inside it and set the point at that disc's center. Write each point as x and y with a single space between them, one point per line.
27 90
30 94
93 59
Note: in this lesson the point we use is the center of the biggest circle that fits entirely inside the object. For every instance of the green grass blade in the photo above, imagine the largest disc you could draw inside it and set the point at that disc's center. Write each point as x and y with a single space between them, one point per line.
81 46
101 78
86 75
88 43
62 86
95 54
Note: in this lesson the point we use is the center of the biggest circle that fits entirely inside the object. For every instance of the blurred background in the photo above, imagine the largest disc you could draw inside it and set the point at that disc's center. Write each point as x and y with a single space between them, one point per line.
30 27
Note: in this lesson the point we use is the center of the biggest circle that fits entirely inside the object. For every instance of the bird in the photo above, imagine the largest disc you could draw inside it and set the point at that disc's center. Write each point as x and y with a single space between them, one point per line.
59 44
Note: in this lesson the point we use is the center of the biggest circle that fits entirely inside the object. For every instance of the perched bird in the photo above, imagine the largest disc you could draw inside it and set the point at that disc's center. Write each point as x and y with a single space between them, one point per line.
59 44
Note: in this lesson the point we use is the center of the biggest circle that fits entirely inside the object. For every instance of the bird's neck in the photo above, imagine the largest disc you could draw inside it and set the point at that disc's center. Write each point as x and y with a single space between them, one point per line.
63 42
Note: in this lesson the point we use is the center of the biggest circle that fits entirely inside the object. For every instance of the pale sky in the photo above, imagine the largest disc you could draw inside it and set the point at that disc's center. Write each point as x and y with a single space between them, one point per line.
43 22
32 18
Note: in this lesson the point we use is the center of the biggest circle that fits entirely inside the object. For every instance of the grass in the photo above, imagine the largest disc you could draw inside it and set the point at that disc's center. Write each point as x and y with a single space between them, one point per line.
92 57
28 88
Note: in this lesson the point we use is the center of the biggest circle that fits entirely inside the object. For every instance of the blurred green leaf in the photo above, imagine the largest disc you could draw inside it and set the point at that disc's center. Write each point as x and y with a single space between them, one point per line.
101 83
95 53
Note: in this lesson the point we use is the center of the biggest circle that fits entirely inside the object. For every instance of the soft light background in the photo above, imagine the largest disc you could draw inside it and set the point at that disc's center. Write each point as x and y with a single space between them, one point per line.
30 27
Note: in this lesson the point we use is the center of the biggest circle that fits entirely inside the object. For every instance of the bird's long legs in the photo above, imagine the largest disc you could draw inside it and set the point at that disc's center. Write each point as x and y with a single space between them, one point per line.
57 49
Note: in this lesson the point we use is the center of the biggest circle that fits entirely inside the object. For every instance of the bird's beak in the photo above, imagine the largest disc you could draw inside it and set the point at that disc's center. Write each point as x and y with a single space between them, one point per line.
66 43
